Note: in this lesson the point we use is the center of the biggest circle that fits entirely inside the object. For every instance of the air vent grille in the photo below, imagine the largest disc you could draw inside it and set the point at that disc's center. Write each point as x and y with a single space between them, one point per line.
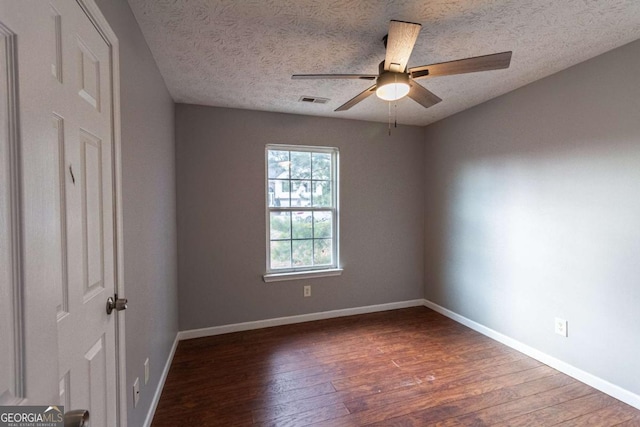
313 99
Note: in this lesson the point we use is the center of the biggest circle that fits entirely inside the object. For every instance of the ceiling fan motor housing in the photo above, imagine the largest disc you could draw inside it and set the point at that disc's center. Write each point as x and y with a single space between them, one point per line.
392 86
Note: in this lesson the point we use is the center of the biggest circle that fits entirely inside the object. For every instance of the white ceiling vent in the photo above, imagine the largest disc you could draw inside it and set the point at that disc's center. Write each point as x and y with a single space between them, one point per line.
313 99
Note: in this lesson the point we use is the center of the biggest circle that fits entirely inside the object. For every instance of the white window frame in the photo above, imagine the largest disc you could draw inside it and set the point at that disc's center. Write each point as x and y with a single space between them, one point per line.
294 273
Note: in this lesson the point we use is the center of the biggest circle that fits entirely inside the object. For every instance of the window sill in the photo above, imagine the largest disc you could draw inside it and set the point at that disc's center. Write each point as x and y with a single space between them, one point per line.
296 275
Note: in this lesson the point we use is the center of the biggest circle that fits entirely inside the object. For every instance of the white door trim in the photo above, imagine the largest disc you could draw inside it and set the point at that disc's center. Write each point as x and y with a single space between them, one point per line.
15 239
103 27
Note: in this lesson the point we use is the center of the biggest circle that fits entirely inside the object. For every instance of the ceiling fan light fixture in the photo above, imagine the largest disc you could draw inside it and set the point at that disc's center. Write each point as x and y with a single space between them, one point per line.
392 86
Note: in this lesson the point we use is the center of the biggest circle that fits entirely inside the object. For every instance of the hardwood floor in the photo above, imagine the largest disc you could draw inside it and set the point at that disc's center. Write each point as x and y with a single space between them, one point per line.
409 367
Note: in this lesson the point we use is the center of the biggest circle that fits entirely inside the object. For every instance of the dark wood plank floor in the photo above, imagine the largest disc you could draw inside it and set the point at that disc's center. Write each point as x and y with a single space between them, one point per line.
409 367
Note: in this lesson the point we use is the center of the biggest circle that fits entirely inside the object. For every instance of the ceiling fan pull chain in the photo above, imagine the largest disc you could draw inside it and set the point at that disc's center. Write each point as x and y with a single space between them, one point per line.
389 118
395 104
395 119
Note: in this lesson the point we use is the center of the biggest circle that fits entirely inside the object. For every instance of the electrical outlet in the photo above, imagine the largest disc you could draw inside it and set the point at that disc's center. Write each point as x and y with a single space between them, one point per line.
136 392
307 290
562 327
146 371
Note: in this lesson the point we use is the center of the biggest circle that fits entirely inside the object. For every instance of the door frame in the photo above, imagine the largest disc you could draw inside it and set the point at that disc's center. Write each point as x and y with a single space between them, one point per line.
94 13
15 219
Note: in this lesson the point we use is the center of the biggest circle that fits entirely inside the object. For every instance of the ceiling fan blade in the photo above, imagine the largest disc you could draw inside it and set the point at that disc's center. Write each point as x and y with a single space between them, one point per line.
422 96
334 76
495 61
359 97
400 41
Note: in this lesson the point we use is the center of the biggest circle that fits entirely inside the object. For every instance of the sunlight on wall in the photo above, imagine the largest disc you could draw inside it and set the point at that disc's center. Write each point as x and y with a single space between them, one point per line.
521 228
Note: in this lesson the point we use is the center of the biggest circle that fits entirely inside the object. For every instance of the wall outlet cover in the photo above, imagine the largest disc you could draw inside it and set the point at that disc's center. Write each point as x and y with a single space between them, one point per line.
561 327
146 371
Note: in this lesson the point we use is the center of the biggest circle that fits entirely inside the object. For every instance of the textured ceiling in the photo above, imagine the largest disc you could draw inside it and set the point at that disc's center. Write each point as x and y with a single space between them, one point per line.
242 53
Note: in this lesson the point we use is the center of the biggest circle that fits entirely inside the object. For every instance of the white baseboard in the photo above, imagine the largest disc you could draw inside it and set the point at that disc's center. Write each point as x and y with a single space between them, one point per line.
163 378
596 382
587 378
246 326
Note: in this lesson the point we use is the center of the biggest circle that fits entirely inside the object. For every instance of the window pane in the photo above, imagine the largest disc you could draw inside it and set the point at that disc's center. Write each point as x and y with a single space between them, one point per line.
281 254
302 225
321 194
274 193
322 252
300 165
322 225
302 253
280 225
300 193
321 165
279 193
278 164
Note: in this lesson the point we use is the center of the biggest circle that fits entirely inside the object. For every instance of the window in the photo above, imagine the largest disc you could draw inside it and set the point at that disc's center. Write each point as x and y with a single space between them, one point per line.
302 211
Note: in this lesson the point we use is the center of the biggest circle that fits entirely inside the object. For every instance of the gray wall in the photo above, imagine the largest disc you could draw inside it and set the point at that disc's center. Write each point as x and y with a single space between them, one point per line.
221 219
533 212
148 179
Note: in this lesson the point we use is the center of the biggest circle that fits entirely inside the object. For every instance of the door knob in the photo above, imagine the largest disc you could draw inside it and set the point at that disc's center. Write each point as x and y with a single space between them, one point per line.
76 418
118 304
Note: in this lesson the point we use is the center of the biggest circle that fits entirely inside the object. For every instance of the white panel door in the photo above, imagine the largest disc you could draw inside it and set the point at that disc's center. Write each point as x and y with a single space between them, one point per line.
64 77
82 119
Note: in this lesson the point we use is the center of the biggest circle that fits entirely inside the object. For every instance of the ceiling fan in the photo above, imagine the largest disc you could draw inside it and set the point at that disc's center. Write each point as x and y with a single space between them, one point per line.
394 80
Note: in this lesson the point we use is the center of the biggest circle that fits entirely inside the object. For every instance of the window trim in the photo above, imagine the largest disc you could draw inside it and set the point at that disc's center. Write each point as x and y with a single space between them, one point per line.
295 275
292 273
